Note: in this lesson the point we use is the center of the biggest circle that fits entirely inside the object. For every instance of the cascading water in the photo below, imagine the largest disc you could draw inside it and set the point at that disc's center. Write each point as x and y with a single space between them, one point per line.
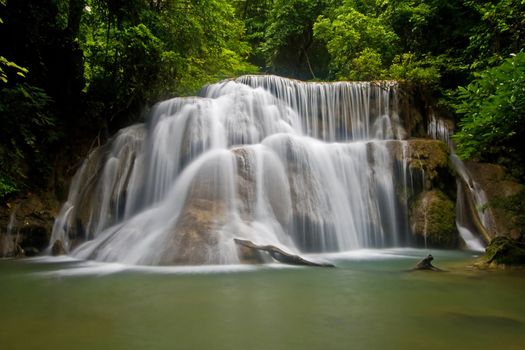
467 189
307 167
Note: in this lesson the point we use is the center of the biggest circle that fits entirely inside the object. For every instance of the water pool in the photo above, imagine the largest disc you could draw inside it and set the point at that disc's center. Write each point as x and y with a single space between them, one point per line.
369 301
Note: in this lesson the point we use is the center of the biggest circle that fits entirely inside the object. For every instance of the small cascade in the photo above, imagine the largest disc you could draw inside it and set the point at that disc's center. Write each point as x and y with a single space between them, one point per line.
306 167
425 221
440 129
472 213
470 217
10 239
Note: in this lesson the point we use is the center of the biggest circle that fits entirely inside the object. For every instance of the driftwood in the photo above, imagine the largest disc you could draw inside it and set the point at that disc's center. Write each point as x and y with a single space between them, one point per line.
426 264
280 255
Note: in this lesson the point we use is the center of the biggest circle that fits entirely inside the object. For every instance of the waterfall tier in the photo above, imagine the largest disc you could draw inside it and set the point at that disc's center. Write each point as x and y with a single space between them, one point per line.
310 167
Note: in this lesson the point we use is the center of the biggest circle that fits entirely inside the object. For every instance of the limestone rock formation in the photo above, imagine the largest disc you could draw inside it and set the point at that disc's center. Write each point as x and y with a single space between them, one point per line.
498 186
26 224
506 251
432 220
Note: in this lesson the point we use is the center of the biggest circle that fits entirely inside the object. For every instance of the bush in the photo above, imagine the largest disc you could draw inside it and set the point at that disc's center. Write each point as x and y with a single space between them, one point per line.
493 115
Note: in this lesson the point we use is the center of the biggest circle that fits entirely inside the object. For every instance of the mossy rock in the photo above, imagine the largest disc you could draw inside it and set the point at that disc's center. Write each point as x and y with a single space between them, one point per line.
432 158
506 251
433 219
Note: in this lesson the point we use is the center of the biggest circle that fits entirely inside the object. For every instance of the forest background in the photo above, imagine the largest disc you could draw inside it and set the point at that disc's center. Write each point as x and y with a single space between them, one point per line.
72 72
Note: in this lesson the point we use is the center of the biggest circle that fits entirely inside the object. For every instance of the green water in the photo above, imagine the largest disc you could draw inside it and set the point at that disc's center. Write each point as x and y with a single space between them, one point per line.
367 303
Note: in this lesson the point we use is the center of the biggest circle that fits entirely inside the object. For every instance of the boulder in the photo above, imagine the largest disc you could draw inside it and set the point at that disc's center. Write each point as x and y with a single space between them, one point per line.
506 251
433 220
58 248
431 158
29 219
499 188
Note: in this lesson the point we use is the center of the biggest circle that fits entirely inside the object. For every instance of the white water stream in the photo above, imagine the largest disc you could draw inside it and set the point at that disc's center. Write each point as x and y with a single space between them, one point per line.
307 167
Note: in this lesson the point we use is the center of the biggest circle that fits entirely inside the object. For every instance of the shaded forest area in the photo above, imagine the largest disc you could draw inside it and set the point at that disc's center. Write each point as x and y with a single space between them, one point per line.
72 72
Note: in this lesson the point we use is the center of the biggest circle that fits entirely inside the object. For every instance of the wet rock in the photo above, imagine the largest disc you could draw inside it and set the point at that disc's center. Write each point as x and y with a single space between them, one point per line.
506 251
312 223
34 237
31 251
275 187
18 251
29 221
194 239
433 219
196 234
499 188
58 248
431 158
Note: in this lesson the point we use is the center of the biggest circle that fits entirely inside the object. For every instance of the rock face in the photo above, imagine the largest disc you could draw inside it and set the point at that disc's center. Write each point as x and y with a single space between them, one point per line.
194 235
498 187
58 248
433 221
431 196
26 224
506 251
430 157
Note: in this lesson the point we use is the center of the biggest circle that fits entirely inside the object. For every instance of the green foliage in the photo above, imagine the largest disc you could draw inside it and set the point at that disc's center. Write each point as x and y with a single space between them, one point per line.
408 68
493 114
352 38
514 209
28 131
256 17
118 57
7 186
505 250
498 33
289 46
143 51
5 63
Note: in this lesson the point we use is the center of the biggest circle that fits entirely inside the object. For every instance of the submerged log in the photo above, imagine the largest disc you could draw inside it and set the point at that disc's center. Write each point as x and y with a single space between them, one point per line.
280 255
426 264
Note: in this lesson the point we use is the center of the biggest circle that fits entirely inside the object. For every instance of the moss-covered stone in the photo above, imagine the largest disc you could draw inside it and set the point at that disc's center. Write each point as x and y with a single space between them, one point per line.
505 197
431 158
505 250
433 220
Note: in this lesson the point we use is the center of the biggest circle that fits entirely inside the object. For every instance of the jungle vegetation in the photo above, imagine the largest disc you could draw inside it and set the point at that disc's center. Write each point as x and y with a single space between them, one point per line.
75 71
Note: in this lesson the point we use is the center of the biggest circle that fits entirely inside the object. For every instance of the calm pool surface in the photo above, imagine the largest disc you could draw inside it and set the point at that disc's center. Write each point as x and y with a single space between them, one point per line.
369 301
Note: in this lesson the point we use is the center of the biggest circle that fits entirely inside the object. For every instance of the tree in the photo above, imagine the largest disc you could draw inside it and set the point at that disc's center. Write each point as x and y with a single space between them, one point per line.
138 52
354 39
498 32
289 45
492 107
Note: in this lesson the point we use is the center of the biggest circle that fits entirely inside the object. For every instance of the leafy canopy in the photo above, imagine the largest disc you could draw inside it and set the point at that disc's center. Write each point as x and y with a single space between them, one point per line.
492 107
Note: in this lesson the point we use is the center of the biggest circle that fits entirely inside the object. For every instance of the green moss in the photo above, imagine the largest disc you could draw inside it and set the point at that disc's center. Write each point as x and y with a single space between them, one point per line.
513 208
430 157
507 251
433 216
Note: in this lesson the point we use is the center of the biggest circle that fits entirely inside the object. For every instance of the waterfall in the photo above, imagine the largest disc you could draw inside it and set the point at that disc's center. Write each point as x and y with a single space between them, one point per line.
9 240
470 217
308 167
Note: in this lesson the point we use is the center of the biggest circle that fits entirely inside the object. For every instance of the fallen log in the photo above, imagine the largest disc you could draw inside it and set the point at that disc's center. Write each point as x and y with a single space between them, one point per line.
280 255
426 264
